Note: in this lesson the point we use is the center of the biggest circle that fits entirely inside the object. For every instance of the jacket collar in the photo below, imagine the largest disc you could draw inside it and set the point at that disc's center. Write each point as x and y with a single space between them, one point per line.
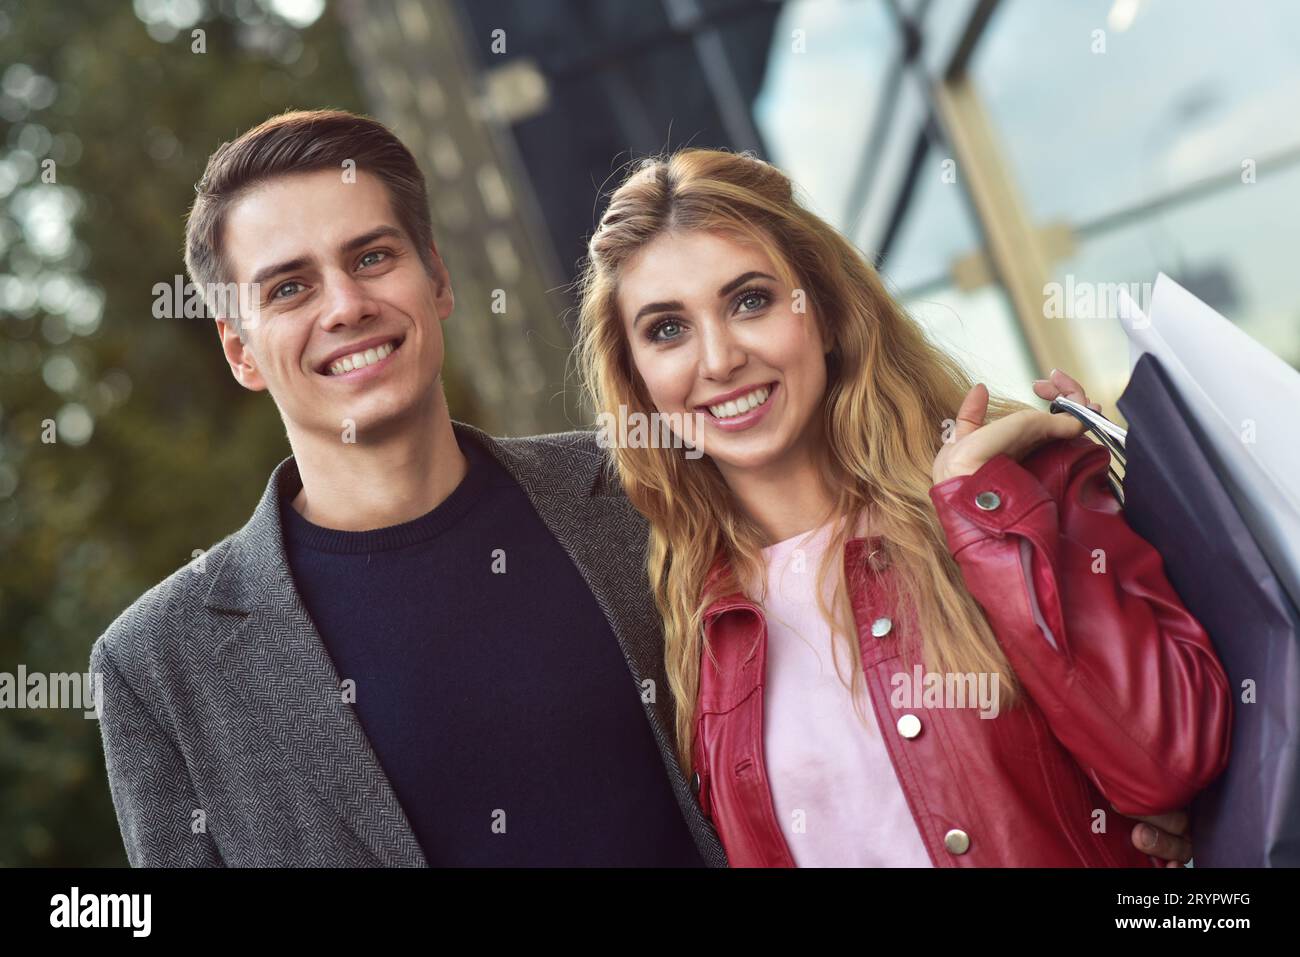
273 659
721 604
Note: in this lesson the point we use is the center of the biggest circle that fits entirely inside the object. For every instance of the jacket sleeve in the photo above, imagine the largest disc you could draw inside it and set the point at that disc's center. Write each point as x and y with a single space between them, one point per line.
150 785
1126 678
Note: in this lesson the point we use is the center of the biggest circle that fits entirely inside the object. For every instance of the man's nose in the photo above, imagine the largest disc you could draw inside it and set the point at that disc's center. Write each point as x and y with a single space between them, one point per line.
347 302
720 353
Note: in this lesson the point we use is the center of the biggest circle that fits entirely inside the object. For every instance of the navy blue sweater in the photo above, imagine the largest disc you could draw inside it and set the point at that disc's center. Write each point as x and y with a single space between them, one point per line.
490 684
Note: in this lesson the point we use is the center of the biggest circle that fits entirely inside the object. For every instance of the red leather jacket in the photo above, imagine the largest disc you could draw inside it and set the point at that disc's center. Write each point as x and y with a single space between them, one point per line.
1125 704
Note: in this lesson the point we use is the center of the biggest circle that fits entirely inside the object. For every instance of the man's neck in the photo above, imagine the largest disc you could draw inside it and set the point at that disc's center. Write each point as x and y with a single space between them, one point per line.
361 486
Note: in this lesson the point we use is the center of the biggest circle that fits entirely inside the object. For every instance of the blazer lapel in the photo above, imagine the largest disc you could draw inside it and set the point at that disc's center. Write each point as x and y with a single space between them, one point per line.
276 662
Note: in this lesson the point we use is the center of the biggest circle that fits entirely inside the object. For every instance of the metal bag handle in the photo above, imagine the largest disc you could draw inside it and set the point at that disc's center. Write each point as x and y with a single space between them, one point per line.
1110 434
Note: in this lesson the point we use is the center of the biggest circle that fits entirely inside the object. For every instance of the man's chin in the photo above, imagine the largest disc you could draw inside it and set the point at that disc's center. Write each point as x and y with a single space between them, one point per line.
366 422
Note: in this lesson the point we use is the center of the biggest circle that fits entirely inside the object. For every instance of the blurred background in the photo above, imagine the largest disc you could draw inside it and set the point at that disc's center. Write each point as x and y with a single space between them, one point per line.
977 150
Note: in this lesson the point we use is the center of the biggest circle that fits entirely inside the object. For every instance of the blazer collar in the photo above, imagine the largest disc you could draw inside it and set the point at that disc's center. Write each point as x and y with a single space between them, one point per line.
273 659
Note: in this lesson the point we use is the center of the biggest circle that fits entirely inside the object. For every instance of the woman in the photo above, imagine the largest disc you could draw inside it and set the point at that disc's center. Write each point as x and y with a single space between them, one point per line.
905 622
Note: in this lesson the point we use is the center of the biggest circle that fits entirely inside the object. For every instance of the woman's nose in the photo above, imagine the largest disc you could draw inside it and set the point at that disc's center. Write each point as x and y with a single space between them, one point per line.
720 354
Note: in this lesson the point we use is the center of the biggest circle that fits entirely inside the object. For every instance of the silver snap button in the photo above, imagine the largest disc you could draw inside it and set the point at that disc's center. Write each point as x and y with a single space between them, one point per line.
880 627
988 501
909 726
957 841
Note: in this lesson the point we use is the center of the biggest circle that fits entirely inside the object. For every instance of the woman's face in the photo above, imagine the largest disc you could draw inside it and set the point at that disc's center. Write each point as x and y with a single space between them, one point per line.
713 330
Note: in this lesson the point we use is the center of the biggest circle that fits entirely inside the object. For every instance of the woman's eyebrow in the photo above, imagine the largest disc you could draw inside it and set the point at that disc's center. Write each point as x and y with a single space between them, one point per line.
652 307
741 280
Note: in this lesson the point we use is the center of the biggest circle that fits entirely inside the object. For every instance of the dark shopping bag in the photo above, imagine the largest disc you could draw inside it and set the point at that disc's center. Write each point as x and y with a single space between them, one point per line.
1173 498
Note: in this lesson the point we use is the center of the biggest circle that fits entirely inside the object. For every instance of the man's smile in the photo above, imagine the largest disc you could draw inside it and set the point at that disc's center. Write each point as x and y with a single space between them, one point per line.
354 358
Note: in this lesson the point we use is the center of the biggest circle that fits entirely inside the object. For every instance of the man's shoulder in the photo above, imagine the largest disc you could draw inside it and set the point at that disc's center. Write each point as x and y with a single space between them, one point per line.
555 462
575 441
163 623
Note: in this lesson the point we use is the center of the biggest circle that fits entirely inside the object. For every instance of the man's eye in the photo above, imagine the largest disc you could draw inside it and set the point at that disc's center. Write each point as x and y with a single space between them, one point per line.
654 332
374 252
279 290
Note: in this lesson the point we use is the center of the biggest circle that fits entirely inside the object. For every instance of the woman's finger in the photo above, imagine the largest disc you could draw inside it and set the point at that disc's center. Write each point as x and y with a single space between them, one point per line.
1161 844
1044 389
973 409
1175 822
1070 387
1017 433
1062 384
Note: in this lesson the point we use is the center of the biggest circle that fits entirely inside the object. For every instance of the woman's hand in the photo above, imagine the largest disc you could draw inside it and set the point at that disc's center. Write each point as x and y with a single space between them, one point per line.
973 442
1061 384
1164 836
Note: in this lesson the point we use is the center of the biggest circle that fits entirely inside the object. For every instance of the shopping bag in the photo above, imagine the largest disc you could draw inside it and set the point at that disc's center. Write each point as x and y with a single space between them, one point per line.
1245 402
1175 499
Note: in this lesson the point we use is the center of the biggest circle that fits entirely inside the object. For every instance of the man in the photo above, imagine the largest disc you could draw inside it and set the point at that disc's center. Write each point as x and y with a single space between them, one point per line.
426 646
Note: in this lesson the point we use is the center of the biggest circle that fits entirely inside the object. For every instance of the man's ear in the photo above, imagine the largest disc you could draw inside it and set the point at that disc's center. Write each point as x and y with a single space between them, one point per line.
240 356
444 299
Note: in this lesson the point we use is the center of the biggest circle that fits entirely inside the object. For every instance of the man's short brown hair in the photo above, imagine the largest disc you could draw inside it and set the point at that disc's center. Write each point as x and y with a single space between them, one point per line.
302 141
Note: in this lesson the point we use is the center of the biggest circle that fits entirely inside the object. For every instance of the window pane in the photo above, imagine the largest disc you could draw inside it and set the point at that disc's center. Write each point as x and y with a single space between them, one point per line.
977 326
828 62
1233 249
1104 105
1182 90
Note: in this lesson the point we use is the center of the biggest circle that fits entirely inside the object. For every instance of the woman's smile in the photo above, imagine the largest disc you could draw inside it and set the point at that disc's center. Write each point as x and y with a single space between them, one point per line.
735 413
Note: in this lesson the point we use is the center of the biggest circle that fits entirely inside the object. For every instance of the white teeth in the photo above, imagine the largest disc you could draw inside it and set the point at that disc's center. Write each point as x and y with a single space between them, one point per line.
359 360
735 407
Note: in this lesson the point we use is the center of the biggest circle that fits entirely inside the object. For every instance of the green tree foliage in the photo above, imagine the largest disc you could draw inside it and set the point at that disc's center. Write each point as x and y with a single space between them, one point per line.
158 452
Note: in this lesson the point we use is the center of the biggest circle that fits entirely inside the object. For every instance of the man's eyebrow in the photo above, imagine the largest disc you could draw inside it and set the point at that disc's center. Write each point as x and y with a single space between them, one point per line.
269 272
653 307
301 262
365 239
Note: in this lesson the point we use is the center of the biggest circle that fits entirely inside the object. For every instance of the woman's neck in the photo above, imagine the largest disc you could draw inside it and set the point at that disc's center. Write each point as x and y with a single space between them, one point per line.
785 499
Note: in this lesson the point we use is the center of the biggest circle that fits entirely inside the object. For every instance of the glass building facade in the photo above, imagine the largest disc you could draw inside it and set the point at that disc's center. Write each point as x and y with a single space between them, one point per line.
981 152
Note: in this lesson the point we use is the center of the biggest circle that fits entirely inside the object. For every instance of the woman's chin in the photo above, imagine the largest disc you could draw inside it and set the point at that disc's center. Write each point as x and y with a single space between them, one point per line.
741 460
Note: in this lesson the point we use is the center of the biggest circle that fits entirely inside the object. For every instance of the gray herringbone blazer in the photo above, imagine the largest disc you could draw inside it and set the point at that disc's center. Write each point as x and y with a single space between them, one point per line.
226 739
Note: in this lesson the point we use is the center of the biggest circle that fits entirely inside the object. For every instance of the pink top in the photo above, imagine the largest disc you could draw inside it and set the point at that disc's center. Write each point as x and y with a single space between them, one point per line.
833 786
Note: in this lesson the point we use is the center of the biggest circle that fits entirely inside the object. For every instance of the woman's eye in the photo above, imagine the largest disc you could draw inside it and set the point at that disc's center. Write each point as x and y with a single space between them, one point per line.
279 290
756 299
654 333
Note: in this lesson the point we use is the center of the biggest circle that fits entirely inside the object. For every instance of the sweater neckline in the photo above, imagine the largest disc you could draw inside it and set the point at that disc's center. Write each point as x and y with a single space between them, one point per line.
298 531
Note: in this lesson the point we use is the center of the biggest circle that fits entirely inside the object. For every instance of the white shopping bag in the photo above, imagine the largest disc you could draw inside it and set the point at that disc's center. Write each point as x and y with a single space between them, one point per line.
1246 405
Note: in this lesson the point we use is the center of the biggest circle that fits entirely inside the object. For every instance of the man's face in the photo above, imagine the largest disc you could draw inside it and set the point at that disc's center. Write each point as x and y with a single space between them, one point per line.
340 284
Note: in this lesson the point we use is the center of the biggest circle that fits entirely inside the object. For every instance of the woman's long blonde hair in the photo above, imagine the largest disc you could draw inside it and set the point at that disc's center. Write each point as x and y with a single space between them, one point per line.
890 396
